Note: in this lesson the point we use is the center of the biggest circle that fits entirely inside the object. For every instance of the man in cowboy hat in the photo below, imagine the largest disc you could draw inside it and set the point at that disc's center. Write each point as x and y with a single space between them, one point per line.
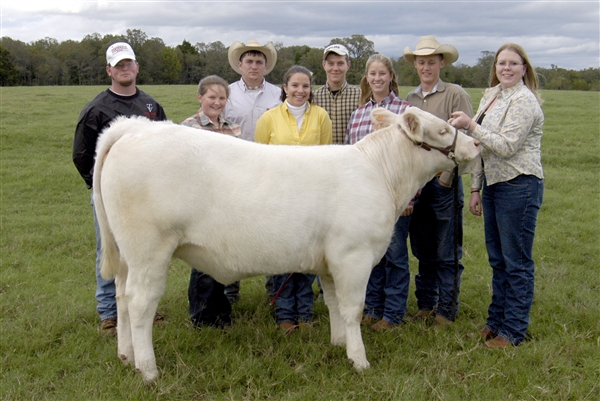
337 97
432 224
250 97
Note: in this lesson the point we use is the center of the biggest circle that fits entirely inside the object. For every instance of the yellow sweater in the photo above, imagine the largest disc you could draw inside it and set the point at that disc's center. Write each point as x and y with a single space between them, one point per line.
278 126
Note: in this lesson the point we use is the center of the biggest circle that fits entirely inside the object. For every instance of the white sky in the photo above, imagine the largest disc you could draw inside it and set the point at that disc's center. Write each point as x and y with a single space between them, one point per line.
563 33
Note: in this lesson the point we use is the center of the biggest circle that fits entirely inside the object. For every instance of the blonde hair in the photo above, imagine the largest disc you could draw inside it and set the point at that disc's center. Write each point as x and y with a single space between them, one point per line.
364 85
529 79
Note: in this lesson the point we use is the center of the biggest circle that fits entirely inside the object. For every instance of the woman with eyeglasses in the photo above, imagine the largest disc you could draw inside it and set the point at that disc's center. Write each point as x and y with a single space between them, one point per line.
508 125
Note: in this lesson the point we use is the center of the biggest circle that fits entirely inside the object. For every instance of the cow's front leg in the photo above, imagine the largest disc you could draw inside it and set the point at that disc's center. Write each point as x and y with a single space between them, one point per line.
338 327
351 288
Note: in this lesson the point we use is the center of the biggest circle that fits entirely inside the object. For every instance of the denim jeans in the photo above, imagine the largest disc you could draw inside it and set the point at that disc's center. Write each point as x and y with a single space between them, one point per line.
209 305
294 303
387 291
432 242
510 212
106 291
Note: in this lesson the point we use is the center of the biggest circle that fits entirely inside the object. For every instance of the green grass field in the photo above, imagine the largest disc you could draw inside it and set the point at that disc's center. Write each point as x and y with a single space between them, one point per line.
51 348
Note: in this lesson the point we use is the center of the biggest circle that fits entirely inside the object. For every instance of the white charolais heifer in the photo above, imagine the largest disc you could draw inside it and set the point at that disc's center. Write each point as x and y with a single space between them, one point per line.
235 209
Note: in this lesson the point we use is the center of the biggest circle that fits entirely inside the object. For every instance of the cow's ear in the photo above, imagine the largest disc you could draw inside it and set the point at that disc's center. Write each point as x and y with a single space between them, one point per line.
382 117
411 124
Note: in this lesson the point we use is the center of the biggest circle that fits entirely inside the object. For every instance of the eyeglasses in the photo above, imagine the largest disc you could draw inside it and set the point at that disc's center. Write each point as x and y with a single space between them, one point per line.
511 64
124 64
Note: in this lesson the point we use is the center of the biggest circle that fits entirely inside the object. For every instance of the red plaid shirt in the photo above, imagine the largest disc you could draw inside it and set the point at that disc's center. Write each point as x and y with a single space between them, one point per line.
360 124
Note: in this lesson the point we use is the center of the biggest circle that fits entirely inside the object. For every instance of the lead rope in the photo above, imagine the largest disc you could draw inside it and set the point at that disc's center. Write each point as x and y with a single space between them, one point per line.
456 233
280 289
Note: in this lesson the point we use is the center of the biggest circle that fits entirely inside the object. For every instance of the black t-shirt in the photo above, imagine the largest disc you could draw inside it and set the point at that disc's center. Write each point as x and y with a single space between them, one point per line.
97 115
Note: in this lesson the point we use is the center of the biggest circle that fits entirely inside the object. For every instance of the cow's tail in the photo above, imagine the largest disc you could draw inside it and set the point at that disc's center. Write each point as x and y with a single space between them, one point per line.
110 259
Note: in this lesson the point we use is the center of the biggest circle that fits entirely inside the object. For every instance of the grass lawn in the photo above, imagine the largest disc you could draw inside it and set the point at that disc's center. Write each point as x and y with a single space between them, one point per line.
51 348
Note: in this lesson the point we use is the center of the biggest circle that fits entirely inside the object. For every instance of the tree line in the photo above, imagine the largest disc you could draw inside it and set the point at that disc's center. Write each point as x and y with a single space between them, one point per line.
49 62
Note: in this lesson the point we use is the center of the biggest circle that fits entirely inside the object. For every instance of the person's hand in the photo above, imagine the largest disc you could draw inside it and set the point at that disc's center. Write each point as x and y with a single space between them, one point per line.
460 120
408 211
475 205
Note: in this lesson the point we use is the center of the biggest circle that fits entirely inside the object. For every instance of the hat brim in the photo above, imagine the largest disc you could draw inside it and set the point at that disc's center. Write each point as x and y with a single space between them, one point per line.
449 53
237 49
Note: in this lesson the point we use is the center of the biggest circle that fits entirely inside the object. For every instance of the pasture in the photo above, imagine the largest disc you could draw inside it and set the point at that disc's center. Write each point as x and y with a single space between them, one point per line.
51 348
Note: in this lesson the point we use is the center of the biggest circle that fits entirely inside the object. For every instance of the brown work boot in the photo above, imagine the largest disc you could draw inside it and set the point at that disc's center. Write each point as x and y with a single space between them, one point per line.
498 342
422 314
369 320
487 334
441 321
381 325
287 327
305 326
109 326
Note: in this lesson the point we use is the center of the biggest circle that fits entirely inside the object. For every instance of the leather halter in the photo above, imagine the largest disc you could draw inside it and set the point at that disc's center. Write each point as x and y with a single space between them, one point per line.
448 150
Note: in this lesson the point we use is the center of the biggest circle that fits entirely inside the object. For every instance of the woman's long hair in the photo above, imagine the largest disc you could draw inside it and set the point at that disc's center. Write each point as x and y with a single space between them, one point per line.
364 85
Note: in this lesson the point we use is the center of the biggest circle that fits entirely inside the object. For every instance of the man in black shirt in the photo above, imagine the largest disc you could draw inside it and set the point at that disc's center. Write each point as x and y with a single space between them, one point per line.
123 98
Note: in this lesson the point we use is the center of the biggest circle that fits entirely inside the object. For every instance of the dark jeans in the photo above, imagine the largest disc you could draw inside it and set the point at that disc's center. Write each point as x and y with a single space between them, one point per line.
510 212
208 304
387 290
294 303
432 243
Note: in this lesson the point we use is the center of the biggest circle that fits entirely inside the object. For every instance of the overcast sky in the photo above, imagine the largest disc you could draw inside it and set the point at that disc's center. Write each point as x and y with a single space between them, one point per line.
563 33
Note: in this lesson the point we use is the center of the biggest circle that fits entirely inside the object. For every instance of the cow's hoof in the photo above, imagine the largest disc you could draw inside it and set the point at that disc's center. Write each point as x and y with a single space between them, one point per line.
360 366
150 377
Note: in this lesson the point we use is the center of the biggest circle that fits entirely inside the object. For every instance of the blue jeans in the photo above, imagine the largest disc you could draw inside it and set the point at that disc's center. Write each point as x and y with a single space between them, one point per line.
432 242
106 291
387 290
510 212
294 303
209 306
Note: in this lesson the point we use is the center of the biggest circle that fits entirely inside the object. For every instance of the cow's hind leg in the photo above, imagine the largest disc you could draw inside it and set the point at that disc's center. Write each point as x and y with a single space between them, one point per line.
338 328
146 284
125 345
351 285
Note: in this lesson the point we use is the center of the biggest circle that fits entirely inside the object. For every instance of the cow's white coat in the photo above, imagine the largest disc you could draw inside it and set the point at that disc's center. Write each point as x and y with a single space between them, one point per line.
235 209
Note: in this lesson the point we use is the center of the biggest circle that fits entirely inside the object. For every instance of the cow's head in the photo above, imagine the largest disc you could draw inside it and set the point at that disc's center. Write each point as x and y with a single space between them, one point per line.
429 132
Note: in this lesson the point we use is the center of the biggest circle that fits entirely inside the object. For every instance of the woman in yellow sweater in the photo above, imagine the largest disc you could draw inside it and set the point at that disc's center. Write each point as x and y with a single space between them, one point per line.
295 122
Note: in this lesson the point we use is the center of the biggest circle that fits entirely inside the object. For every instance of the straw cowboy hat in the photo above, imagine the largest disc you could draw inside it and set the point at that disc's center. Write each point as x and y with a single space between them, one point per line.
238 48
427 46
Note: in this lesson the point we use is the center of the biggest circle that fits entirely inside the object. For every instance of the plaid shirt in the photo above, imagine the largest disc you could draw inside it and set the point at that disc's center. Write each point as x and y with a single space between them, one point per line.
360 122
201 121
339 106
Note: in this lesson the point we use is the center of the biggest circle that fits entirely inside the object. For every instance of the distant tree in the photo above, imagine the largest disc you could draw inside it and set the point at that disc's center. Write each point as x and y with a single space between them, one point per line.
136 38
150 58
189 58
313 60
406 73
171 67
186 48
46 67
49 62
214 61
8 73
481 72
